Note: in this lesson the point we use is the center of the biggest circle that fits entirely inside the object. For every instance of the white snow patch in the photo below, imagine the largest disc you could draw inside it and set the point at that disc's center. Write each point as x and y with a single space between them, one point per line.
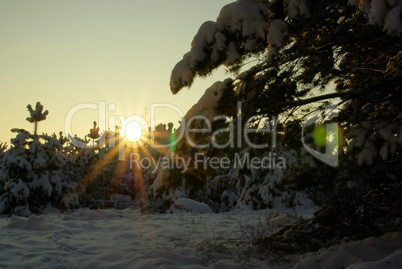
393 23
278 30
185 205
367 154
377 11
233 53
210 99
182 75
204 38
385 13
295 8
372 252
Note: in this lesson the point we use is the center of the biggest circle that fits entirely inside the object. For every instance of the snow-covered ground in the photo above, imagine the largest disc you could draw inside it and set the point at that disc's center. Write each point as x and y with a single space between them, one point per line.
128 239
122 239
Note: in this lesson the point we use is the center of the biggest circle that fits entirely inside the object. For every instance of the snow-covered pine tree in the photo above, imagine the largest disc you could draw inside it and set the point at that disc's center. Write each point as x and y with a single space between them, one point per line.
34 174
308 55
182 181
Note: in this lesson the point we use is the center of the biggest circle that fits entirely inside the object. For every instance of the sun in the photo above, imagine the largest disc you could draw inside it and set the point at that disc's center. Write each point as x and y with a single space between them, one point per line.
133 131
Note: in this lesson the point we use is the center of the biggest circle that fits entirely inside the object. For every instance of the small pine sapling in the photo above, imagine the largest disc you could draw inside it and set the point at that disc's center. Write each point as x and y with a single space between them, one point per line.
35 172
37 115
94 133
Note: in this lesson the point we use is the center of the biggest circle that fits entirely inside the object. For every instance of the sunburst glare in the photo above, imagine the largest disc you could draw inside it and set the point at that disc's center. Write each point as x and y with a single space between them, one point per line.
133 131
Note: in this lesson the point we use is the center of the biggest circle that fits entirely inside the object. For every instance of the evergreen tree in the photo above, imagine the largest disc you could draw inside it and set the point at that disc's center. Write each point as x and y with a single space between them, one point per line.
307 55
34 173
94 133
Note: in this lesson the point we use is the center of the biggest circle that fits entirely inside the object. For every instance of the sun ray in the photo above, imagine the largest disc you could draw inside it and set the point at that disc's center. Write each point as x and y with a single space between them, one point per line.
142 147
97 168
140 191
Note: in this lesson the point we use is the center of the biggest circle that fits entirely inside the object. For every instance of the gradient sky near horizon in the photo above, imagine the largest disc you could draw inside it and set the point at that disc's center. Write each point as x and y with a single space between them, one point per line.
70 52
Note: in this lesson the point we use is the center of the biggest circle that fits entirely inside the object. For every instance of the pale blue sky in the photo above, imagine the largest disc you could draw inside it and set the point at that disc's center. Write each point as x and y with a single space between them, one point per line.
68 52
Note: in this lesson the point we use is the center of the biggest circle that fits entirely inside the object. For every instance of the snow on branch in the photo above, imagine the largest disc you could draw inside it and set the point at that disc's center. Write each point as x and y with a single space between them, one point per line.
241 27
385 13
252 26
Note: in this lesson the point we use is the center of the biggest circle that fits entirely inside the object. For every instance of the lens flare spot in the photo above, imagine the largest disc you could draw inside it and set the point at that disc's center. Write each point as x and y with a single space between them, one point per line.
330 135
320 135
